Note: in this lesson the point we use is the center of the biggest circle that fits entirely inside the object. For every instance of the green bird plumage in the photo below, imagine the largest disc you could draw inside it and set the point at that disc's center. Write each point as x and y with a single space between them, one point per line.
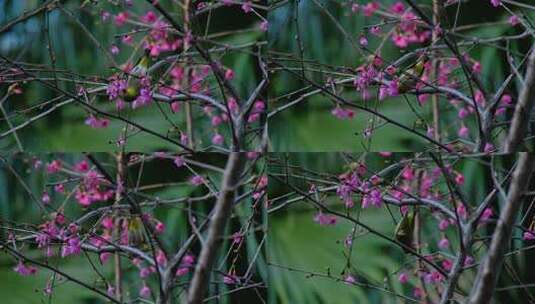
136 235
139 71
409 79
405 230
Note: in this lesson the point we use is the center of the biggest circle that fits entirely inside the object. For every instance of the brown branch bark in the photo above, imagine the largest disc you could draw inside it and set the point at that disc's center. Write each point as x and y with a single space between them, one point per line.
185 82
117 224
200 282
526 99
489 270
437 6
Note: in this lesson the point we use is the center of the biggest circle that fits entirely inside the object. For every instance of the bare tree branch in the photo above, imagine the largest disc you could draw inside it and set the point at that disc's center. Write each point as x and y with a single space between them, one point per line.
199 284
523 108
489 270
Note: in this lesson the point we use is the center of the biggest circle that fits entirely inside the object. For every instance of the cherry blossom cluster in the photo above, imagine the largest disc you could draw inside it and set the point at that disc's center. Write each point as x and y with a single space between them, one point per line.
85 211
414 57
93 188
162 62
403 186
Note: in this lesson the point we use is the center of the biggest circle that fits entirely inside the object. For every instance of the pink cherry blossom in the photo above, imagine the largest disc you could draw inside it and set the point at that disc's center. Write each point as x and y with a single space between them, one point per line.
514 20
53 167
114 49
443 243
218 139
73 246
488 148
107 222
230 279
120 19
459 179
110 291
144 292
127 39
375 30
197 180
417 292
372 198
59 188
463 113
25 270
229 74
461 211
443 224
45 198
408 173
476 67
149 17
350 280
159 227
97 123
237 238
145 272
341 113
468 261
463 132
397 8
325 219
528 236
161 258
370 8
104 15
82 166
487 214
246 6
363 40
179 161
264 26
447 264
403 278
496 3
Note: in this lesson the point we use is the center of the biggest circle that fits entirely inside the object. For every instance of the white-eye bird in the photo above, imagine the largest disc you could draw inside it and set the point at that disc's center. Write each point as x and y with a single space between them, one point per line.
136 234
404 232
412 75
139 71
